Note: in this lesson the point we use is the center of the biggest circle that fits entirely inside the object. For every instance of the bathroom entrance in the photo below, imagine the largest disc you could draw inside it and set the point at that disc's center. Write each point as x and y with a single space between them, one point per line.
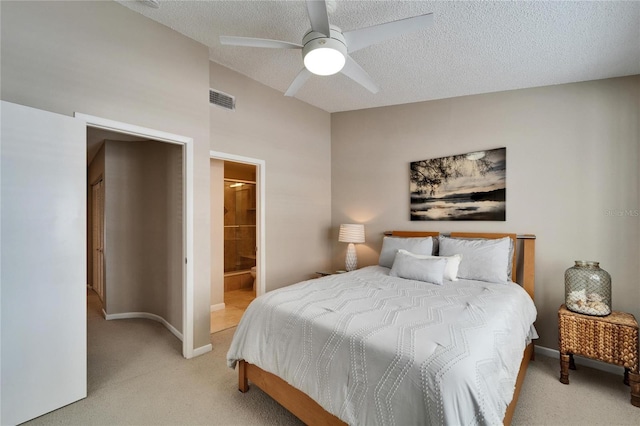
236 220
239 227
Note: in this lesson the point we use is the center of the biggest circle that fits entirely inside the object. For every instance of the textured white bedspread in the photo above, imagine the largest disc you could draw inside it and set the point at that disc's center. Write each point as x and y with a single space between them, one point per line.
374 349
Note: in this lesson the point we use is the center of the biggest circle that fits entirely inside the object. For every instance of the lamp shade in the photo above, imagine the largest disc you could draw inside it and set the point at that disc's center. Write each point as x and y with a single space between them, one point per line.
351 233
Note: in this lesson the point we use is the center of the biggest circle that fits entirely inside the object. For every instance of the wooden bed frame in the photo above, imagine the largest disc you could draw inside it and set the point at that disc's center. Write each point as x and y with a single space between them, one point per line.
311 413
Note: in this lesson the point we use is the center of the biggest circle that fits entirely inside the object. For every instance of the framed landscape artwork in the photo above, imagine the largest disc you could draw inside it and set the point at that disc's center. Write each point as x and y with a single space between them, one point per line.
469 186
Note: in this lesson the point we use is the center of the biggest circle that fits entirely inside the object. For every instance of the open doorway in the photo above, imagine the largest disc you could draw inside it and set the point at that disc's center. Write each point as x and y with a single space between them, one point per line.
135 227
151 175
237 236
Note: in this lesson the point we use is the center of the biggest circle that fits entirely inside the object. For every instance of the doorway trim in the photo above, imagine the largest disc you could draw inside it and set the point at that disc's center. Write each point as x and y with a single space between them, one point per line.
260 220
188 351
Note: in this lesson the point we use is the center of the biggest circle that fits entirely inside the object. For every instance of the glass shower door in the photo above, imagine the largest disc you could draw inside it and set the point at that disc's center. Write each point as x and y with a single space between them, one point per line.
239 225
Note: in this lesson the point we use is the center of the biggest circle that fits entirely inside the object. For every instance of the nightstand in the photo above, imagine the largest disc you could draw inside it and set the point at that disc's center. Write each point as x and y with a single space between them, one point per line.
612 339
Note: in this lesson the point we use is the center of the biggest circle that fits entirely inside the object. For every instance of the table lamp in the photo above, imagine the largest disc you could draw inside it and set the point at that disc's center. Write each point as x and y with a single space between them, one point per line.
351 233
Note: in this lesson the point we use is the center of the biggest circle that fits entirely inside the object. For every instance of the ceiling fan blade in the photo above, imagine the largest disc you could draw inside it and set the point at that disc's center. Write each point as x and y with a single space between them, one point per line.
363 37
298 82
318 16
356 73
258 42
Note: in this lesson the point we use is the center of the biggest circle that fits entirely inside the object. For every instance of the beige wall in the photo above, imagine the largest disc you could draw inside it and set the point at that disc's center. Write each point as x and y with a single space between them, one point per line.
143 229
217 233
102 59
294 140
572 159
95 148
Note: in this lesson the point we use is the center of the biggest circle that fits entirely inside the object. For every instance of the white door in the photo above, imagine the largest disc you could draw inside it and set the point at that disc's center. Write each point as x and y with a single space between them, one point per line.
97 237
43 262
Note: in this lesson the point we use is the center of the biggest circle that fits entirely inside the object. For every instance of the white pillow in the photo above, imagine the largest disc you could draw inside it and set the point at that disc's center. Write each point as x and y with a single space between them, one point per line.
413 268
453 263
391 245
482 259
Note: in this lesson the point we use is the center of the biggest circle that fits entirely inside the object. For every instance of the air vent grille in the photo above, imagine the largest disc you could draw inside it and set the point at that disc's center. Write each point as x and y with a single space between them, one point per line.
222 100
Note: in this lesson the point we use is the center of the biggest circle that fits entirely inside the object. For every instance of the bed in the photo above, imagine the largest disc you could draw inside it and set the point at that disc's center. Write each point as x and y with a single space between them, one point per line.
368 347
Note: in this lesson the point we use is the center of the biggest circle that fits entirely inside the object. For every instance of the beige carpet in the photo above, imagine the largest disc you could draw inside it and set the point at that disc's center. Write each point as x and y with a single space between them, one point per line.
137 376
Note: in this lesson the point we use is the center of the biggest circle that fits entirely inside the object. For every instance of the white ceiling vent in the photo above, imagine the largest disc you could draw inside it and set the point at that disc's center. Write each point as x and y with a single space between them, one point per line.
221 99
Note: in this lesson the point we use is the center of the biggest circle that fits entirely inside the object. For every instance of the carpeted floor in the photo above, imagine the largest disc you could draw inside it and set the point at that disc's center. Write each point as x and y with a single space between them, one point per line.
137 376
593 397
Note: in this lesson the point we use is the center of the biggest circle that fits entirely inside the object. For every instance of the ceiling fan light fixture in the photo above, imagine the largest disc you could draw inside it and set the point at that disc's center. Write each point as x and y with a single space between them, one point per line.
324 46
324 56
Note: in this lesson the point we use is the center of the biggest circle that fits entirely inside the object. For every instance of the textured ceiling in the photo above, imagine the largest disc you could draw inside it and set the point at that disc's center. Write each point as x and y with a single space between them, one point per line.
473 47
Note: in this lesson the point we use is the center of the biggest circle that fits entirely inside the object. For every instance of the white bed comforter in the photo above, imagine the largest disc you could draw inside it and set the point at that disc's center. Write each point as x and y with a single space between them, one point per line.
374 349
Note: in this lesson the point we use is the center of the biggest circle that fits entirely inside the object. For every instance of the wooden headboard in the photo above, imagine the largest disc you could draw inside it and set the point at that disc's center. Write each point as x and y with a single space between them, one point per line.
409 234
527 276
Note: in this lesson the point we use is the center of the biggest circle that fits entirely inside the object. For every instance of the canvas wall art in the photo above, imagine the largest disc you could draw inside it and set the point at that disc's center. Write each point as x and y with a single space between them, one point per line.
469 186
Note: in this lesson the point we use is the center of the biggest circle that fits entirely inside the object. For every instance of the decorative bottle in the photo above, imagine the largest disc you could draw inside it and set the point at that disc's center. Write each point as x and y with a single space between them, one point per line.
587 289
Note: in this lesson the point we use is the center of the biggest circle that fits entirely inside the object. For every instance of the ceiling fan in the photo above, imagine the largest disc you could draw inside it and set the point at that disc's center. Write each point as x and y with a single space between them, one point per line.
326 48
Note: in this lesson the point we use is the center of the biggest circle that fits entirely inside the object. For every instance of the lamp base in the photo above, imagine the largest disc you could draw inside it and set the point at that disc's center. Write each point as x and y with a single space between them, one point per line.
351 261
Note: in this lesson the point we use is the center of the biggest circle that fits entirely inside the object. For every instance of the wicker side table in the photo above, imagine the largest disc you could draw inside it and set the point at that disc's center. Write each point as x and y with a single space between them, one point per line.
612 339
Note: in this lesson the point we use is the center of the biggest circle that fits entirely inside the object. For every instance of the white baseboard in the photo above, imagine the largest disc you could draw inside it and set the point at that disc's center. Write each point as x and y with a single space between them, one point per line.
217 307
144 315
586 362
202 350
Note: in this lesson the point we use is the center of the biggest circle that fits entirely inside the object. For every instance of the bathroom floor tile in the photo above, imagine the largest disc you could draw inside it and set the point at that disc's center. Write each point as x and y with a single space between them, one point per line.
236 301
